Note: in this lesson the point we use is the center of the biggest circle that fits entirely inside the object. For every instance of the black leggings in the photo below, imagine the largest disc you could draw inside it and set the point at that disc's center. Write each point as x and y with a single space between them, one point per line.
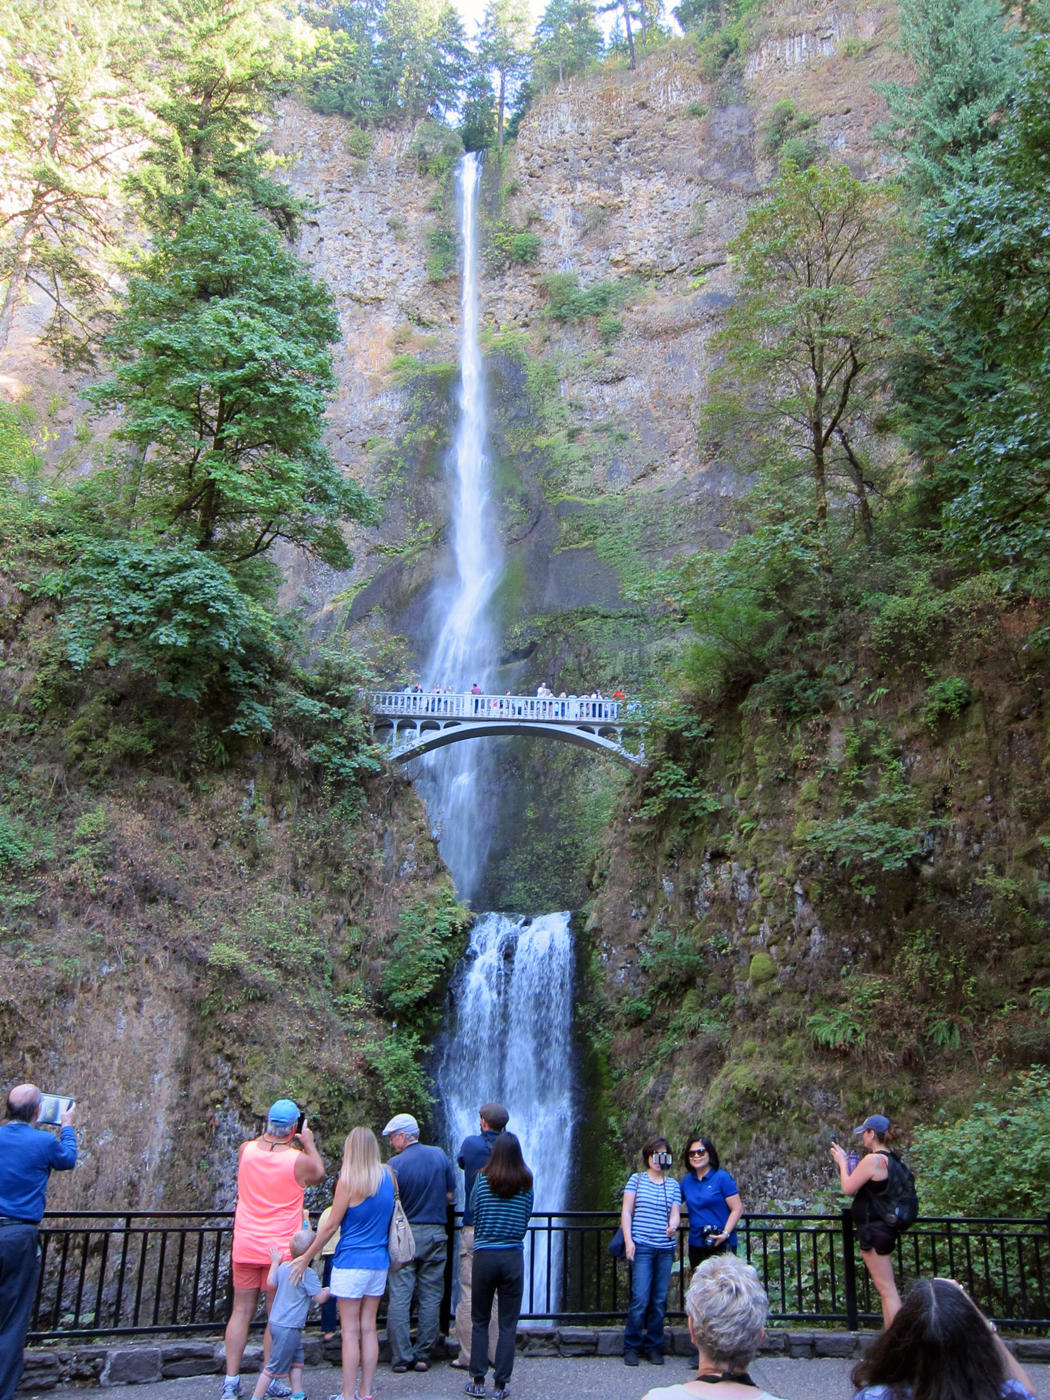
502 1270
699 1252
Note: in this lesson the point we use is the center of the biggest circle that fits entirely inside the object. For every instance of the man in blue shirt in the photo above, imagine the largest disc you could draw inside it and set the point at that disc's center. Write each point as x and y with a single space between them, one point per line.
427 1186
27 1157
473 1154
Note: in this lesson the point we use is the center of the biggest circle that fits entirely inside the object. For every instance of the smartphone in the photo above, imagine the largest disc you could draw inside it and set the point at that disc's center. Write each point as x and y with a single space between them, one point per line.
832 1137
52 1106
299 1125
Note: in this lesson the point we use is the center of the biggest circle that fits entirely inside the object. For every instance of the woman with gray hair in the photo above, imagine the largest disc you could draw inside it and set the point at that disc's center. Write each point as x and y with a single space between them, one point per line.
727 1307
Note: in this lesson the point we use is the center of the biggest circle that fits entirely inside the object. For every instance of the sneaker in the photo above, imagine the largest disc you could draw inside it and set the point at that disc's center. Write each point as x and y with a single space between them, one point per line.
276 1390
475 1387
656 1358
231 1390
630 1358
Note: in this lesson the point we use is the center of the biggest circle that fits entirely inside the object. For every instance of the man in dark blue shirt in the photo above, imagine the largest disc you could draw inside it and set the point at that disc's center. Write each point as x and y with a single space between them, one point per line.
473 1154
426 1184
27 1157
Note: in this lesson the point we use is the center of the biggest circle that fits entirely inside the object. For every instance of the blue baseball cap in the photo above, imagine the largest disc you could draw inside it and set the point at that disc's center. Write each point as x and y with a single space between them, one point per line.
877 1123
283 1115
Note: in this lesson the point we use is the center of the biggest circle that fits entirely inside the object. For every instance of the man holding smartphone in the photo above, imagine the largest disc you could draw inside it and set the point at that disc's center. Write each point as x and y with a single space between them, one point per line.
28 1156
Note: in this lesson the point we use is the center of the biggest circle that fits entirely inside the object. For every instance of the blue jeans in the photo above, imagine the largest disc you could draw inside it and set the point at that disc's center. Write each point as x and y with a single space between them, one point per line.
650 1280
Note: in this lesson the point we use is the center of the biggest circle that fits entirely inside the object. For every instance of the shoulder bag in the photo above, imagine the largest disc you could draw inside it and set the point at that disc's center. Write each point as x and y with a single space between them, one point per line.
399 1240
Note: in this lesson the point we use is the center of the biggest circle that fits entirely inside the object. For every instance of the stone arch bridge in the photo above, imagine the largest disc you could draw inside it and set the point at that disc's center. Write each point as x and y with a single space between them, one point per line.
415 722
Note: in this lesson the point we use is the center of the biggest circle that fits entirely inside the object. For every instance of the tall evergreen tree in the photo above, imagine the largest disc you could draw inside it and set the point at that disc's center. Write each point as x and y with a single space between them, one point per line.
967 62
223 372
67 71
567 39
504 48
992 240
223 61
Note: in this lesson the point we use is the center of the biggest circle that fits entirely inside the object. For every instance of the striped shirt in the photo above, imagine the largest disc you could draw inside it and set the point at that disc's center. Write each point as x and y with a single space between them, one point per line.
499 1223
653 1202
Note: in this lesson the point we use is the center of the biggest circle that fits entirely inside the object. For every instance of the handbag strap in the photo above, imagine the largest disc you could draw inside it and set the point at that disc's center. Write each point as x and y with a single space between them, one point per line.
393 1178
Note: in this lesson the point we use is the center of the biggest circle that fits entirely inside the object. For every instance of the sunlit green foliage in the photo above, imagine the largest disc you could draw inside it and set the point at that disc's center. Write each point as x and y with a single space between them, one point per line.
384 63
993 1161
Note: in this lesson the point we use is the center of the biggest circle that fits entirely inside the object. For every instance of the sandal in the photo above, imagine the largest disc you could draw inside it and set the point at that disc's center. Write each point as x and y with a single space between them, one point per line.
421 1366
475 1388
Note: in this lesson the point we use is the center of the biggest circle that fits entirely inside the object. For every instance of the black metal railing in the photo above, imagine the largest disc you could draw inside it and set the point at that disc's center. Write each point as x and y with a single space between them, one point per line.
127 1273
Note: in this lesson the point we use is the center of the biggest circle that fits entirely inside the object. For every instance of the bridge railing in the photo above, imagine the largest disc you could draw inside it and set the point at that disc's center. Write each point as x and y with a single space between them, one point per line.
445 704
125 1273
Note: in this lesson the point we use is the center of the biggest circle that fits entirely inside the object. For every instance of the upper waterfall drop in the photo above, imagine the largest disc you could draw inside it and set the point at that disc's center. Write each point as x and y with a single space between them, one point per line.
465 647
453 781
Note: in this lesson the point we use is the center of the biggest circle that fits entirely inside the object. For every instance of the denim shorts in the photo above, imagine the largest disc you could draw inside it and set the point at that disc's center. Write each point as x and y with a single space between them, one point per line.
286 1350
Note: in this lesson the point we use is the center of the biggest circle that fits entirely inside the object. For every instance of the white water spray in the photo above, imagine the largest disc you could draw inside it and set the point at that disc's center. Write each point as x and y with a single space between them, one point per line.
453 778
512 1007
508 1035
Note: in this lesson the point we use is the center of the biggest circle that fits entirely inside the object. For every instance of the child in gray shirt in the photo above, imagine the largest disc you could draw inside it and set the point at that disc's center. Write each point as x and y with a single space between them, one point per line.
288 1316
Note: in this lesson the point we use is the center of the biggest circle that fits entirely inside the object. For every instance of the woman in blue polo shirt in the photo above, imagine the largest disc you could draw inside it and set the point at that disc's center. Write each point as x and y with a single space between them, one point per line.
712 1200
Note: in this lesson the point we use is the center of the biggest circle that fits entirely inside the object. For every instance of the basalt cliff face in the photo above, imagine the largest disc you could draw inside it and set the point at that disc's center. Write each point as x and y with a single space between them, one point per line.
632 183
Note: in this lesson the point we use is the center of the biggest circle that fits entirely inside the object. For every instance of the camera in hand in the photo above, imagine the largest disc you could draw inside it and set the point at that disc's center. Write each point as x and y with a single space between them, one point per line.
709 1233
663 1159
52 1106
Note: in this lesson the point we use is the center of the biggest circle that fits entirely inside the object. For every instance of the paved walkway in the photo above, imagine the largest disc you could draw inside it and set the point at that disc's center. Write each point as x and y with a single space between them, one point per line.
545 1378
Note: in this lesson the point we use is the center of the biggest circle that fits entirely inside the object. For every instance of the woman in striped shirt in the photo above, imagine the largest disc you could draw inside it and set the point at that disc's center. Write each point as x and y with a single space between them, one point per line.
502 1204
652 1208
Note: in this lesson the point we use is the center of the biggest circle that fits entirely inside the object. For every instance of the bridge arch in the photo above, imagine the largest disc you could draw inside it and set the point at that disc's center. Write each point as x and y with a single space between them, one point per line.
418 722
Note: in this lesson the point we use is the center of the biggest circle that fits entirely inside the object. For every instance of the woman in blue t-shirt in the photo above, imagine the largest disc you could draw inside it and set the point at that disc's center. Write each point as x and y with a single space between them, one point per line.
712 1200
362 1206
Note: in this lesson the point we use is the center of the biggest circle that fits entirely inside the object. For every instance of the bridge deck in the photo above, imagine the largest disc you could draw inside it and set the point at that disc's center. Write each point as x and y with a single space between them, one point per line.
466 706
420 721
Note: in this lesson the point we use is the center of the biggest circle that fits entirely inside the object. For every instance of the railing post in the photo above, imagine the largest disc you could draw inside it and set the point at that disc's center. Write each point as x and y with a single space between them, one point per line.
450 1263
849 1269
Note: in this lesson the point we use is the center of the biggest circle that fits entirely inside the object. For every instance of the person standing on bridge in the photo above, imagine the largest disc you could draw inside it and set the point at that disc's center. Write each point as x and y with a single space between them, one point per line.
28 1155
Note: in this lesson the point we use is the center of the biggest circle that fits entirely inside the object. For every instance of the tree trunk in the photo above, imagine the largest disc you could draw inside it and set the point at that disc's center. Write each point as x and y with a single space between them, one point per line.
627 23
721 14
641 16
499 114
861 490
19 273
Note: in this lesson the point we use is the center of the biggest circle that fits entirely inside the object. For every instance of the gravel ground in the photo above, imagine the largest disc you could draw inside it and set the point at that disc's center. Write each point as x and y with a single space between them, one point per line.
544 1378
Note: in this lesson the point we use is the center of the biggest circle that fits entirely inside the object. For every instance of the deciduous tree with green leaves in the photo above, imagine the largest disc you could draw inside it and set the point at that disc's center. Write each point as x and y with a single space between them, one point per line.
809 326
224 370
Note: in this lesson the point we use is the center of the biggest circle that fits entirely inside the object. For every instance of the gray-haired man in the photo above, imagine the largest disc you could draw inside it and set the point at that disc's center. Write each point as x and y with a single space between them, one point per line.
427 1185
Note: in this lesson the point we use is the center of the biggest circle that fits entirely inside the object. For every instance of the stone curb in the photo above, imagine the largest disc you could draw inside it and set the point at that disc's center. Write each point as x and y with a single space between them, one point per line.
129 1364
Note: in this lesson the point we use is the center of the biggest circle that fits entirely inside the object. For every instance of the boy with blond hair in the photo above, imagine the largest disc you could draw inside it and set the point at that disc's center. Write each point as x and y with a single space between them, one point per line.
288 1316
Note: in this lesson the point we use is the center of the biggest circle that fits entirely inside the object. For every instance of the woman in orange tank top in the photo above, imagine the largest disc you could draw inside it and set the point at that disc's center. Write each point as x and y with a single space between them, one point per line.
272 1174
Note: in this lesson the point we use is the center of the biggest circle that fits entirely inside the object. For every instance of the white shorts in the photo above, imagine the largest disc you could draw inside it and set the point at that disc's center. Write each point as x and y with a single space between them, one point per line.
358 1283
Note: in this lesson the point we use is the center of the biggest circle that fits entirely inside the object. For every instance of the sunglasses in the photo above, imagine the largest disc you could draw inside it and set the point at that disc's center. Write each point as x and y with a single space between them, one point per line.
701 1153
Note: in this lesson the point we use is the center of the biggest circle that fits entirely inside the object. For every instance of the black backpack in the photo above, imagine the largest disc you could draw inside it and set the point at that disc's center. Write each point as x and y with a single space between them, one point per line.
898 1204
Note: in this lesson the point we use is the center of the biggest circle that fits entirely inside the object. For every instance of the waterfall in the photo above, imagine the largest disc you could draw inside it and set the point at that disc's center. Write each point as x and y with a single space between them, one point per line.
511 1041
453 779
507 1035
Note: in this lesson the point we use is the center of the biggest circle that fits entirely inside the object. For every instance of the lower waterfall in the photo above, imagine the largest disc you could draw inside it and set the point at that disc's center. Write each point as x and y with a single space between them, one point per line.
509 1038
